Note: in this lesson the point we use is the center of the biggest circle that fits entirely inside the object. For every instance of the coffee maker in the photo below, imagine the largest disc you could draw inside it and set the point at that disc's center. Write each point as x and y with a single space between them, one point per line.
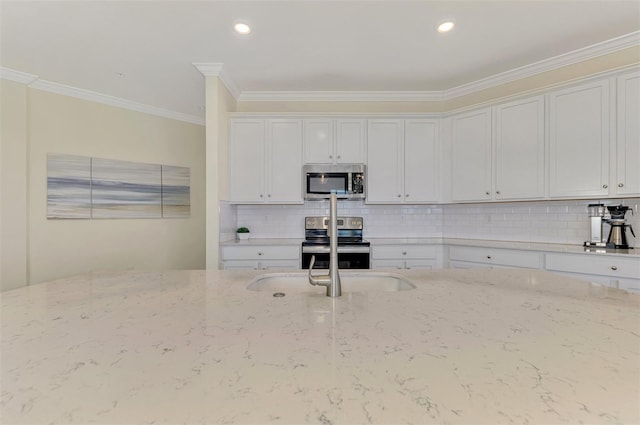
617 234
596 221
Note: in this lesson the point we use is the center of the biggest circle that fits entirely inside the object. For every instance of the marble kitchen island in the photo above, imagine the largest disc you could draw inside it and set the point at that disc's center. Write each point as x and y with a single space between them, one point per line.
175 347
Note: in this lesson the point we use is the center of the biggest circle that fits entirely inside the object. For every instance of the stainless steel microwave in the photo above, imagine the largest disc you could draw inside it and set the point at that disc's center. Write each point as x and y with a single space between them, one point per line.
347 180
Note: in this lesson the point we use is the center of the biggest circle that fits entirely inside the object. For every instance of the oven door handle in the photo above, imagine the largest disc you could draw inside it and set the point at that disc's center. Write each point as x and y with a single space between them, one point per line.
323 249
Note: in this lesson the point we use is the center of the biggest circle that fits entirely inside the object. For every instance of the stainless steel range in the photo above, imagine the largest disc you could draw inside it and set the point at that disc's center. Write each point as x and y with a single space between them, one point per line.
353 251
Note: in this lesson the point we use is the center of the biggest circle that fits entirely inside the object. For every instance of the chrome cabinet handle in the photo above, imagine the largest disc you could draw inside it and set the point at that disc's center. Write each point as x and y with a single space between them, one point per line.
620 184
399 195
261 195
259 253
269 195
604 186
407 195
339 157
614 268
330 156
497 192
487 193
488 257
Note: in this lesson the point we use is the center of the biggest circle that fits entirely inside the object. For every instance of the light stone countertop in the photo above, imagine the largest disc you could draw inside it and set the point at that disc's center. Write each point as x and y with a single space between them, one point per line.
525 246
262 241
465 346
481 243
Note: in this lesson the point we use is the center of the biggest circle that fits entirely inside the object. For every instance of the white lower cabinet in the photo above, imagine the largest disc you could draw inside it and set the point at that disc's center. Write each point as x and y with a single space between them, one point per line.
261 257
613 271
464 257
405 256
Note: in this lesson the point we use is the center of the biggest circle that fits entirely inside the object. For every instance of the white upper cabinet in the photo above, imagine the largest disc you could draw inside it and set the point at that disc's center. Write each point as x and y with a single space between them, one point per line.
384 161
579 141
265 161
501 160
246 160
284 161
519 150
628 135
402 161
421 161
471 156
334 141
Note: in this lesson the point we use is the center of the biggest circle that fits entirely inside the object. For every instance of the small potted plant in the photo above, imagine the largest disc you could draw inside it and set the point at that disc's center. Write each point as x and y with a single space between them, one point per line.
243 233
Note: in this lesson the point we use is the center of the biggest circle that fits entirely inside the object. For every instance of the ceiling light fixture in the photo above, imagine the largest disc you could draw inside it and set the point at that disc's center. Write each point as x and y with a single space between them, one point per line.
242 28
446 26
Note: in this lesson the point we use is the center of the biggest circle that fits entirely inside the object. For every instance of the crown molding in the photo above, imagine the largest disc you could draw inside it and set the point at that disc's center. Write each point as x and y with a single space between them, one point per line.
340 96
545 65
33 81
585 53
217 70
17 76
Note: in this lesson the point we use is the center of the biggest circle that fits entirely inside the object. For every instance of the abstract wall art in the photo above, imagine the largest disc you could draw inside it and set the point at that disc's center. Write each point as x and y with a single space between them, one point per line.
68 186
83 187
122 189
176 191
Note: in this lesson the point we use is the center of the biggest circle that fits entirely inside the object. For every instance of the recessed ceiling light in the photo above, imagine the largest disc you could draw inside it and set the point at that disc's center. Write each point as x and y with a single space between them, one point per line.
242 28
446 26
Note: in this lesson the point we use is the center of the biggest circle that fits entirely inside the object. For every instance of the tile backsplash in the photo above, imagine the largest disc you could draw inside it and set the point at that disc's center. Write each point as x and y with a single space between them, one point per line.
565 222
539 221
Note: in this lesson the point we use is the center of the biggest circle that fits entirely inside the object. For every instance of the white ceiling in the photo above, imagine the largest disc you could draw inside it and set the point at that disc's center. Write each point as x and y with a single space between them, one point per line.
299 45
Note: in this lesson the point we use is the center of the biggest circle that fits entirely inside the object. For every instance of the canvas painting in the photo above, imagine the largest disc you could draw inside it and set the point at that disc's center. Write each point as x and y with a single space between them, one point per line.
176 192
122 189
68 186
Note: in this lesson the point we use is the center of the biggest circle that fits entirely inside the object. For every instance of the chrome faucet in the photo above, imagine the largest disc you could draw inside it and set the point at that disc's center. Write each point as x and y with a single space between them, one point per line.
331 280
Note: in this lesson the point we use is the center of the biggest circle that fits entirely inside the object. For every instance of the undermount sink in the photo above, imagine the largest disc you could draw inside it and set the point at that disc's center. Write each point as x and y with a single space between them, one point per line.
350 282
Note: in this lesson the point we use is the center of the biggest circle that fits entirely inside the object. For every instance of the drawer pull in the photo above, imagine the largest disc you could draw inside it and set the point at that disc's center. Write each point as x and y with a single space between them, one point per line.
604 186
614 268
620 184
489 257
259 253
404 252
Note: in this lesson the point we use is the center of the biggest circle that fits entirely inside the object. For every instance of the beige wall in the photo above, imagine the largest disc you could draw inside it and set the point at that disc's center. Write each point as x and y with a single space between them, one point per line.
58 248
13 185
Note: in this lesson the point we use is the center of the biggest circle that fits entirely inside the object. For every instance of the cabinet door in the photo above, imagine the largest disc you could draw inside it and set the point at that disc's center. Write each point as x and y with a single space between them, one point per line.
350 141
519 162
628 140
421 161
579 141
284 161
318 141
384 161
471 156
246 161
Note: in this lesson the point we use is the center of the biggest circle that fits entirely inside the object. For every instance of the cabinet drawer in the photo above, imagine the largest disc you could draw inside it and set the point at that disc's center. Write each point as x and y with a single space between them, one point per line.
401 264
495 256
592 264
261 265
261 252
401 252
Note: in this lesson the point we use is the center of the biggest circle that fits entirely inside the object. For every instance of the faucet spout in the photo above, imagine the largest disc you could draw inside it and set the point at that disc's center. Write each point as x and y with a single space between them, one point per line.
331 280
